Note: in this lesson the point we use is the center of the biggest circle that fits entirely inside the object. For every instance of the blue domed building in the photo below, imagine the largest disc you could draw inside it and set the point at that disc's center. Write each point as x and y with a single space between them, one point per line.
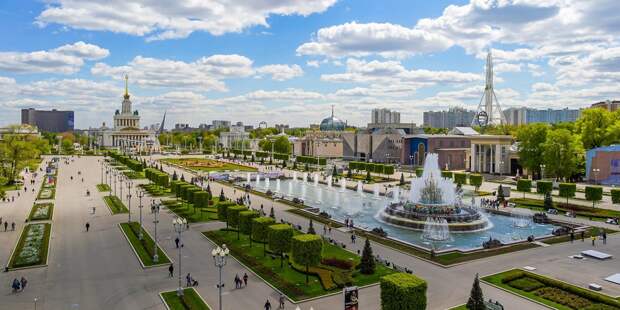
332 123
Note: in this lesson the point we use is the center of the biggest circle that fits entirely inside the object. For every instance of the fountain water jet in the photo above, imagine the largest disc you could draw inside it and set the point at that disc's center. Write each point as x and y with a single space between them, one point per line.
294 175
249 178
376 190
436 229
329 181
316 180
343 184
277 185
360 187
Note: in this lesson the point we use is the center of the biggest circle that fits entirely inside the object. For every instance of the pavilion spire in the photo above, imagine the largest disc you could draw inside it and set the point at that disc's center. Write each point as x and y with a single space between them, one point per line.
126 86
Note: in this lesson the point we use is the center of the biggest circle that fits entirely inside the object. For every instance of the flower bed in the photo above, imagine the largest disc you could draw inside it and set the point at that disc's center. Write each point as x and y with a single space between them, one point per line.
551 292
32 247
116 205
103 187
41 212
190 300
144 248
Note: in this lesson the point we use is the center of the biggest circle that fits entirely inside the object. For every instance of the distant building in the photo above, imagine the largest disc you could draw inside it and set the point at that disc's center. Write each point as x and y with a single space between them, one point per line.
281 127
236 133
385 116
332 123
318 143
21 130
603 165
453 117
523 115
608 104
453 150
49 121
217 124
382 145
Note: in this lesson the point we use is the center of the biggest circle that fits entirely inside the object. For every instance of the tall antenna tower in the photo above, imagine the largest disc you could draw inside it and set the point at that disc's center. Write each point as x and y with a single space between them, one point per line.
489 111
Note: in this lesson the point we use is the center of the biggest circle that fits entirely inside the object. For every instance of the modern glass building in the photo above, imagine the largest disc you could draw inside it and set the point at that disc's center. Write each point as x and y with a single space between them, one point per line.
49 121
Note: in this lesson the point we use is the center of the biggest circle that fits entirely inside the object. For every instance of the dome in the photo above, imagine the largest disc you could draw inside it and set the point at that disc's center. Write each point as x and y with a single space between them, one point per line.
332 124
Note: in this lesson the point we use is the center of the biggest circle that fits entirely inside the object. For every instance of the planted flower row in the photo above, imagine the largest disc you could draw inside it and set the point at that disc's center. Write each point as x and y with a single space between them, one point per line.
41 212
31 249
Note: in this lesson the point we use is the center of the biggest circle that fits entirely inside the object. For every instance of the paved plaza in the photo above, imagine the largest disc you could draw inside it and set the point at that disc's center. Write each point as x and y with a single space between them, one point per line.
98 269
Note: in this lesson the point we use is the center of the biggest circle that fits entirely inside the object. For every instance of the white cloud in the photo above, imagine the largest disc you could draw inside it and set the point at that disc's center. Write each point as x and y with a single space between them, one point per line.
66 59
507 67
312 63
281 72
160 20
388 40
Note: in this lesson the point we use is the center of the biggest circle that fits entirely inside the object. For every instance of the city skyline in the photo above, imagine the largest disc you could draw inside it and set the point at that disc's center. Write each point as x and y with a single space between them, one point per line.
292 61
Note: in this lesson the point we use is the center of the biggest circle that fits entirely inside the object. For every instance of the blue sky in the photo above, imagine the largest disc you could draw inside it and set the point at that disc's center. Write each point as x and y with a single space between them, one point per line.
288 61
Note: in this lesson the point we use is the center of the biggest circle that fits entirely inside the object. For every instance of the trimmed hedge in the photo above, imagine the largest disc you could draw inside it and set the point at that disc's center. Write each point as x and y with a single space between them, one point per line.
232 215
371 167
544 187
419 172
222 210
567 190
125 160
524 185
306 250
594 194
459 178
279 238
245 221
311 160
260 230
475 180
615 196
447 174
403 291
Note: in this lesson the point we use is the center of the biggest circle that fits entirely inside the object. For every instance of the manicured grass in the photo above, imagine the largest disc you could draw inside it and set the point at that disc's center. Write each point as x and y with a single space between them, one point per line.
39 213
189 301
292 280
143 248
115 204
156 190
193 215
461 307
556 294
134 174
12 187
32 252
103 187
582 211
203 164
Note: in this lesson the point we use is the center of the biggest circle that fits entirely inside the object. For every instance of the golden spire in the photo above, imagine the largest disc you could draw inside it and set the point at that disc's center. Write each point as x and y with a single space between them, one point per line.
126 86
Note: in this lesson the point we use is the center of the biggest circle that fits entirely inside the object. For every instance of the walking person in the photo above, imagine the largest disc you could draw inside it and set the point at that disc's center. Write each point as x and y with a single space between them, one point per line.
171 271
267 305
188 280
13 226
15 285
593 237
23 283
245 279
583 236
282 300
572 237
87 226
5 225
237 280
176 241
604 237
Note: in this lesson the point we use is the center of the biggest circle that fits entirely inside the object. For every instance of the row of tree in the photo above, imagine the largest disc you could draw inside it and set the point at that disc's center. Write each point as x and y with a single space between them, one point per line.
566 190
371 167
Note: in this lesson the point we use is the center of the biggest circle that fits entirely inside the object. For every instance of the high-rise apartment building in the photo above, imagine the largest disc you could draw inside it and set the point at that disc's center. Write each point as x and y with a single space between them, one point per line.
453 117
50 121
385 116
217 124
523 115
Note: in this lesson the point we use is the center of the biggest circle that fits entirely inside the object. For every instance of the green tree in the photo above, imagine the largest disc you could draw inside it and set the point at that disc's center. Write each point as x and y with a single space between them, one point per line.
561 154
232 216
476 299
280 145
615 196
15 151
402 291
592 126
260 231
567 190
245 222
524 185
475 180
531 139
280 236
367 264
594 194
306 250
368 177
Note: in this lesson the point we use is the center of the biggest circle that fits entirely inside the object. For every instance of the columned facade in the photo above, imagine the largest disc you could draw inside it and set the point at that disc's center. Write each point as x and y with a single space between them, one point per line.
490 154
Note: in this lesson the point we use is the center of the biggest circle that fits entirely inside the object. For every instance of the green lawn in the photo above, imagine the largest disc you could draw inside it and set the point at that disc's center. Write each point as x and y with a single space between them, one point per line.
581 211
145 247
207 165
193 215
115 204
288 279
47 191
12 187
32 246
41 212
564 292
189 301
103 187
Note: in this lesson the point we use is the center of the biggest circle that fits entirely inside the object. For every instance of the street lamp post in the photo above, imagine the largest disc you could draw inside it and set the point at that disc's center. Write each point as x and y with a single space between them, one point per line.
501 167
219 259
542 171
115 175
129 202
120 181
140 195
596 171
155 211
411 164
180 225
102 161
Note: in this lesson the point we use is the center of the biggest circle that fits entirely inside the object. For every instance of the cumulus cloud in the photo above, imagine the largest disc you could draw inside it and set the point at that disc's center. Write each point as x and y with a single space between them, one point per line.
161 20
66 59
281 72
389 40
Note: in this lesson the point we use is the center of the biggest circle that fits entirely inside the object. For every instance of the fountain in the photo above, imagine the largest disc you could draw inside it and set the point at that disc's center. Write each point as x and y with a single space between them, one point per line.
329 181
375 190
395 194
257 179
290 188
436 229
319 198
304 176
249 178
360 187
343 184
316 180
436 197
277 185
294 175
521 222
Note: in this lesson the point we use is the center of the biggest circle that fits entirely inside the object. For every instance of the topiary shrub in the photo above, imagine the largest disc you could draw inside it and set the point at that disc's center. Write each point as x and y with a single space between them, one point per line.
567 190
460 178
475 180
447 174
260 230
245 222
232 216
615 196
524 185
403 291
280 239
419 172
306 250
543 187
594 194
